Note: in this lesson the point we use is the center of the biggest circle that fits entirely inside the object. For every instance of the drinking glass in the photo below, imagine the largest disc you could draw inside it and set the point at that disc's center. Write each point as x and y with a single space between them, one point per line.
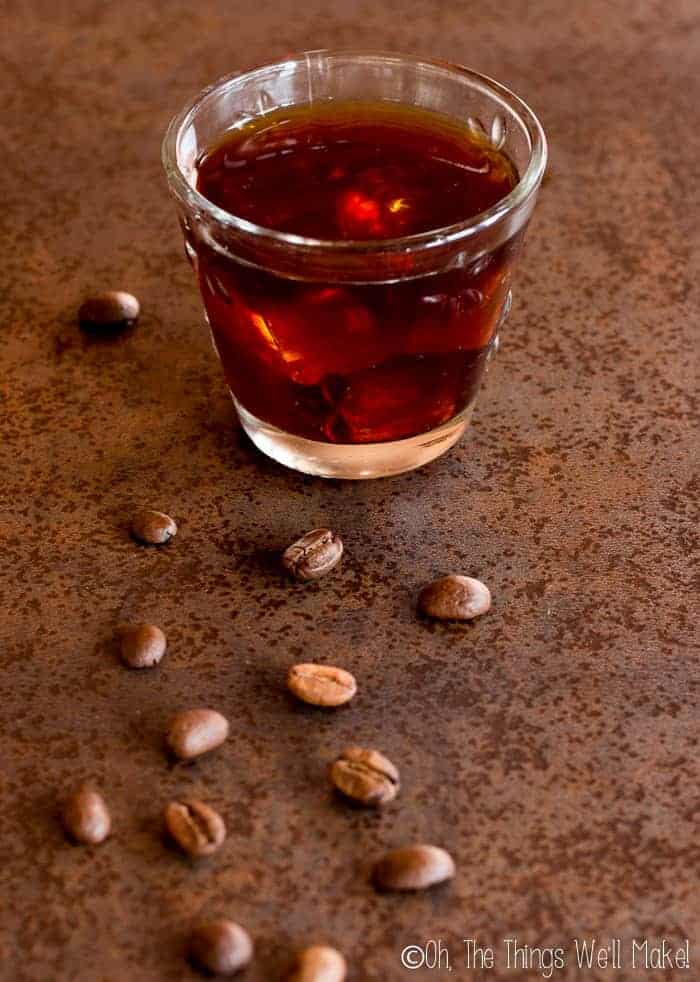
392 336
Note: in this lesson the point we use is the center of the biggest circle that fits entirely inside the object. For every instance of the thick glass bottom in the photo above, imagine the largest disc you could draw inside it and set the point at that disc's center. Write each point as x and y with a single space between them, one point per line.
352 461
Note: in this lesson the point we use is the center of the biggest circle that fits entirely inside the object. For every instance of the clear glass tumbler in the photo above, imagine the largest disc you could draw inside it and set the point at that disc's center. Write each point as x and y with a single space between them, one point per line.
391 335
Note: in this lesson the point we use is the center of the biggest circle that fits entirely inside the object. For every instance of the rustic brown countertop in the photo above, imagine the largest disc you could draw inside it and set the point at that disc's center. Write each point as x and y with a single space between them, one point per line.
552 746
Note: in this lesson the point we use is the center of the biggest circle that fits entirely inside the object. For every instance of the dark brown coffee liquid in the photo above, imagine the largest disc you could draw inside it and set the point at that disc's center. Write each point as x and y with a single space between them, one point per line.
354 172
354 363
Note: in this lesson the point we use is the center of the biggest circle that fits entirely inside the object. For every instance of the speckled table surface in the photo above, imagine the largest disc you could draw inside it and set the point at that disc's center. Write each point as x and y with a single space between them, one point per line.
551 746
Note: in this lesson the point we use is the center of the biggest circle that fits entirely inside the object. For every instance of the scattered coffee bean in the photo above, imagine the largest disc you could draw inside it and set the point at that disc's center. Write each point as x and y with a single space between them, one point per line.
113 310
142 645
222 947
314 555
365 776
153 527
86 817
319 963
413 868
196 828
196 731
321 685
455 598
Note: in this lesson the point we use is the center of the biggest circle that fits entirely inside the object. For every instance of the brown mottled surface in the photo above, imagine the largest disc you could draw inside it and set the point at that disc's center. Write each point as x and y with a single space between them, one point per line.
553 745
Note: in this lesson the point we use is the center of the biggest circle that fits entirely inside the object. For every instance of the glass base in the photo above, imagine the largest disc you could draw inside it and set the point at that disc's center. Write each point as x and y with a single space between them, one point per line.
352 461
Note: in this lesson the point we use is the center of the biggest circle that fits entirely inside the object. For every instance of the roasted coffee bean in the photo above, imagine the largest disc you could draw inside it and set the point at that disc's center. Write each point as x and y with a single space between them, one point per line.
153 527
222 947
314 555
319 963
196 828
455 598
196 731
113 310
321 685
365 776
86 817
142 645
413 868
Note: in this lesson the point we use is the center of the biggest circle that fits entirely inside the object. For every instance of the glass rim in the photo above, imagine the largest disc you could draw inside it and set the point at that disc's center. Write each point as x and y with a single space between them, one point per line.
441 236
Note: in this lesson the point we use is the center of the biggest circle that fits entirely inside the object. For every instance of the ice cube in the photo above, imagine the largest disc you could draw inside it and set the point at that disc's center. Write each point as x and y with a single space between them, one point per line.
441 323
237 324
395 400
322 331
374 208
457 318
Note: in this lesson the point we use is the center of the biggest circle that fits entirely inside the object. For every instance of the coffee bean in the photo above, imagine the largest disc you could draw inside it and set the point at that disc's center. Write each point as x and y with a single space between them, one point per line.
222 947
321 685
153 527
319 963
142 645
413 868
365 776
196 731
314 555
86 817
455 598
113 310
196 828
